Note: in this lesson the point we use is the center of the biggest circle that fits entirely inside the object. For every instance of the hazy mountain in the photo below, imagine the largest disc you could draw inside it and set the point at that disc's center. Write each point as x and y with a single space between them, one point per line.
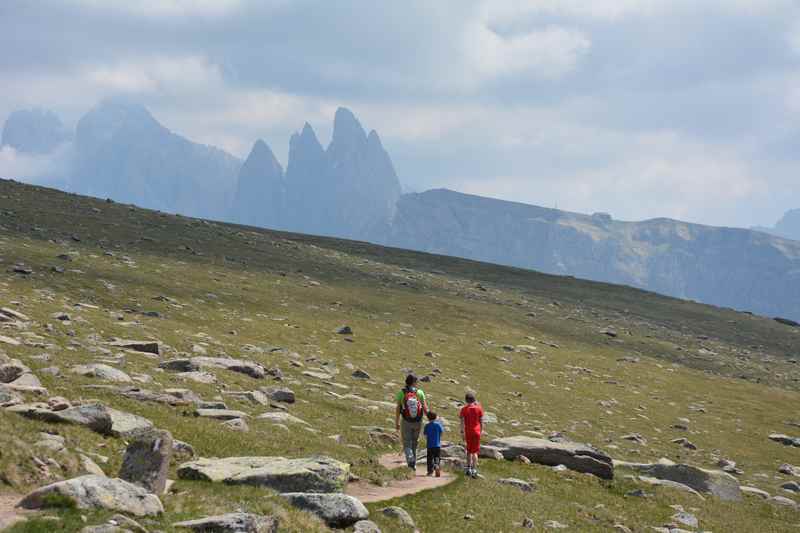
34 131
261 191
307 185
789 225
124 154
729 267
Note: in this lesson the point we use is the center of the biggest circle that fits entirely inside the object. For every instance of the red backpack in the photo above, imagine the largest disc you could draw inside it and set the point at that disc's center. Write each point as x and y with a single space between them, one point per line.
412 407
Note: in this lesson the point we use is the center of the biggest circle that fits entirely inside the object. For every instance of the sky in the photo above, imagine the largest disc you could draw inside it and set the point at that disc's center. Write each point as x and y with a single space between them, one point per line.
688 109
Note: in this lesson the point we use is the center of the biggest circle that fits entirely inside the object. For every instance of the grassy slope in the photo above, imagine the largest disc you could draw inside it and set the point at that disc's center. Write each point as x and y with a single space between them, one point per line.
291 291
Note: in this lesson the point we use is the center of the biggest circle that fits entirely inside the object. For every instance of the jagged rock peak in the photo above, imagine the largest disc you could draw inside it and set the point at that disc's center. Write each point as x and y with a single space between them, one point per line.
347 130
111 115
305 139
262 156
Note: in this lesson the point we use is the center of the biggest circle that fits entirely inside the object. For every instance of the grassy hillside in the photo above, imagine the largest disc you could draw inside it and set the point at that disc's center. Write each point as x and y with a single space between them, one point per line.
532 345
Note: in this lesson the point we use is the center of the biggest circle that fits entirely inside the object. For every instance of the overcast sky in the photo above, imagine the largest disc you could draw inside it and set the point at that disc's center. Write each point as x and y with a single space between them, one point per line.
642 108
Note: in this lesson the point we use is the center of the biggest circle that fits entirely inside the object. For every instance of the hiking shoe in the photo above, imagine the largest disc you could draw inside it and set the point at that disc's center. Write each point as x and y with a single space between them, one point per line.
438 472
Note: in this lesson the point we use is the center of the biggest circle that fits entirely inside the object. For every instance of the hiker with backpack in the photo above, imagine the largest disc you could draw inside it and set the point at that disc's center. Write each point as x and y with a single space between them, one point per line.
410 408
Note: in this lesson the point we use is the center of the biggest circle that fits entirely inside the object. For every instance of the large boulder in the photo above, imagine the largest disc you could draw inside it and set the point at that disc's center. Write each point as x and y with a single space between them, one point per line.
573 455
232 523
127 425
248 368
336 510
137 346
714 482
94 416
146 461
311 474
97 492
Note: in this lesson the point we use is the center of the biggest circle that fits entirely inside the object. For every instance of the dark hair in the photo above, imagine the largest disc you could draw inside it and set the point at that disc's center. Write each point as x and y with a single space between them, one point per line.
470 397
431 415
410 380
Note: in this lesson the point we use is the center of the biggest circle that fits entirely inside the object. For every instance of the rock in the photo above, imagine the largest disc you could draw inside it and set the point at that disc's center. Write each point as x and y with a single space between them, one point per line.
253 396
782 500
281 418
146 461
182 449
179 365
93 416
336 510
400 515
100 371
137 346
8 397
670 484
279 394
524 486
236 424
344 330
232 523
12 314
791 486
687 519
126 425
366 526
317 375
715 482
206 378
635 437
575 456
53 443
98 492
488 451
89 466
12 370
9 340
753 491
685 443
248 368
786 440
789 470
552 524
787 322
62 316
27 383
58 403
311 474
360 374
220 414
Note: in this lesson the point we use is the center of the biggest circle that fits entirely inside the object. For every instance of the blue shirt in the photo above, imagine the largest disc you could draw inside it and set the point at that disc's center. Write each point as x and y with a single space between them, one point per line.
433 434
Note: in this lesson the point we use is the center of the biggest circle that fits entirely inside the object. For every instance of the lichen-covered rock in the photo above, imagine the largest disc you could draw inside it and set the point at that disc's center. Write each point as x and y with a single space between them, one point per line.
146 461
232 523
715 482
336 510
248 368
101 371
573 455
311 474
98 492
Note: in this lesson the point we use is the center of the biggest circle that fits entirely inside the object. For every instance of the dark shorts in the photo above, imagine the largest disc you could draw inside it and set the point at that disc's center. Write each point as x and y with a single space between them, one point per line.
473 442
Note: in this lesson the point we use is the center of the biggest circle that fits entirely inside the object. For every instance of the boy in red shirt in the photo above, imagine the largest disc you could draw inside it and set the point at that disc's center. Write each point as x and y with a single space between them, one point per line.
471 424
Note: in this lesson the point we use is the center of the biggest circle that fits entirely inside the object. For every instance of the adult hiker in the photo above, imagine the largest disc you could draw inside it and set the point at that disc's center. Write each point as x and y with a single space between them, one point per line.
410 406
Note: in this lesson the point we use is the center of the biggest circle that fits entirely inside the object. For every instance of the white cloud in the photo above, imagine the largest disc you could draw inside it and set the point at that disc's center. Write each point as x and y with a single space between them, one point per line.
187 73
547 53
39 169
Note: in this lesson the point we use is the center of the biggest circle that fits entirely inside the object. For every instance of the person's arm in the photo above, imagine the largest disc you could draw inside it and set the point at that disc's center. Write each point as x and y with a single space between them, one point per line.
463 433
397 416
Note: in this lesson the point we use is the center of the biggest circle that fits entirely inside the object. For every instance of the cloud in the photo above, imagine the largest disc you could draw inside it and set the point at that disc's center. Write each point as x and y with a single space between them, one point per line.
142 75
168 8
37 169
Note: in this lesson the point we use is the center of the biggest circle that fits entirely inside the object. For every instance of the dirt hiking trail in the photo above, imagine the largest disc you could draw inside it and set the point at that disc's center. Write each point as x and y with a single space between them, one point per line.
8 514
368 492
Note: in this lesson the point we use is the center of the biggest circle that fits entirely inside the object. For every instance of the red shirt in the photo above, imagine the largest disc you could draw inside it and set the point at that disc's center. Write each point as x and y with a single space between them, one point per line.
471 414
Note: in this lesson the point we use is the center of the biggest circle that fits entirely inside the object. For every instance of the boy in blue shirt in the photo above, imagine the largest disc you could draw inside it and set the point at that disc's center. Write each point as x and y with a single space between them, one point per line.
433 436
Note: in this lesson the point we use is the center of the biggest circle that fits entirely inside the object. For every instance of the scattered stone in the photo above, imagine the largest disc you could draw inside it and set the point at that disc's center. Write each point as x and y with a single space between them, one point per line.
789 470
281 418
220 414
786 440
360 374
527 523
336 510
146 461
137 346
248 368
575 456
366 526
400 515
232 523
318 375
782 500
791 486
345 330
524 486
98 492
687 519
279 394
179 365
53 443
58 403
683 441
9 340
101 371
552 524
311 474
635 437
236 424
753 491
89 466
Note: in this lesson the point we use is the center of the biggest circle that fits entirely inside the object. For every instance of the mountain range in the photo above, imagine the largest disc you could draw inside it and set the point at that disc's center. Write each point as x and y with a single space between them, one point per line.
350 189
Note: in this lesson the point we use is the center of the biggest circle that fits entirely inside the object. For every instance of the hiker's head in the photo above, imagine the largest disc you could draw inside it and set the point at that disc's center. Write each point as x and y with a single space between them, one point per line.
469 397
431 416
411 380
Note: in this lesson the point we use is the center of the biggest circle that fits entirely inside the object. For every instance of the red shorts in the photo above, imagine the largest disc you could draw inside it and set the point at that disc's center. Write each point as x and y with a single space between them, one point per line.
473 442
